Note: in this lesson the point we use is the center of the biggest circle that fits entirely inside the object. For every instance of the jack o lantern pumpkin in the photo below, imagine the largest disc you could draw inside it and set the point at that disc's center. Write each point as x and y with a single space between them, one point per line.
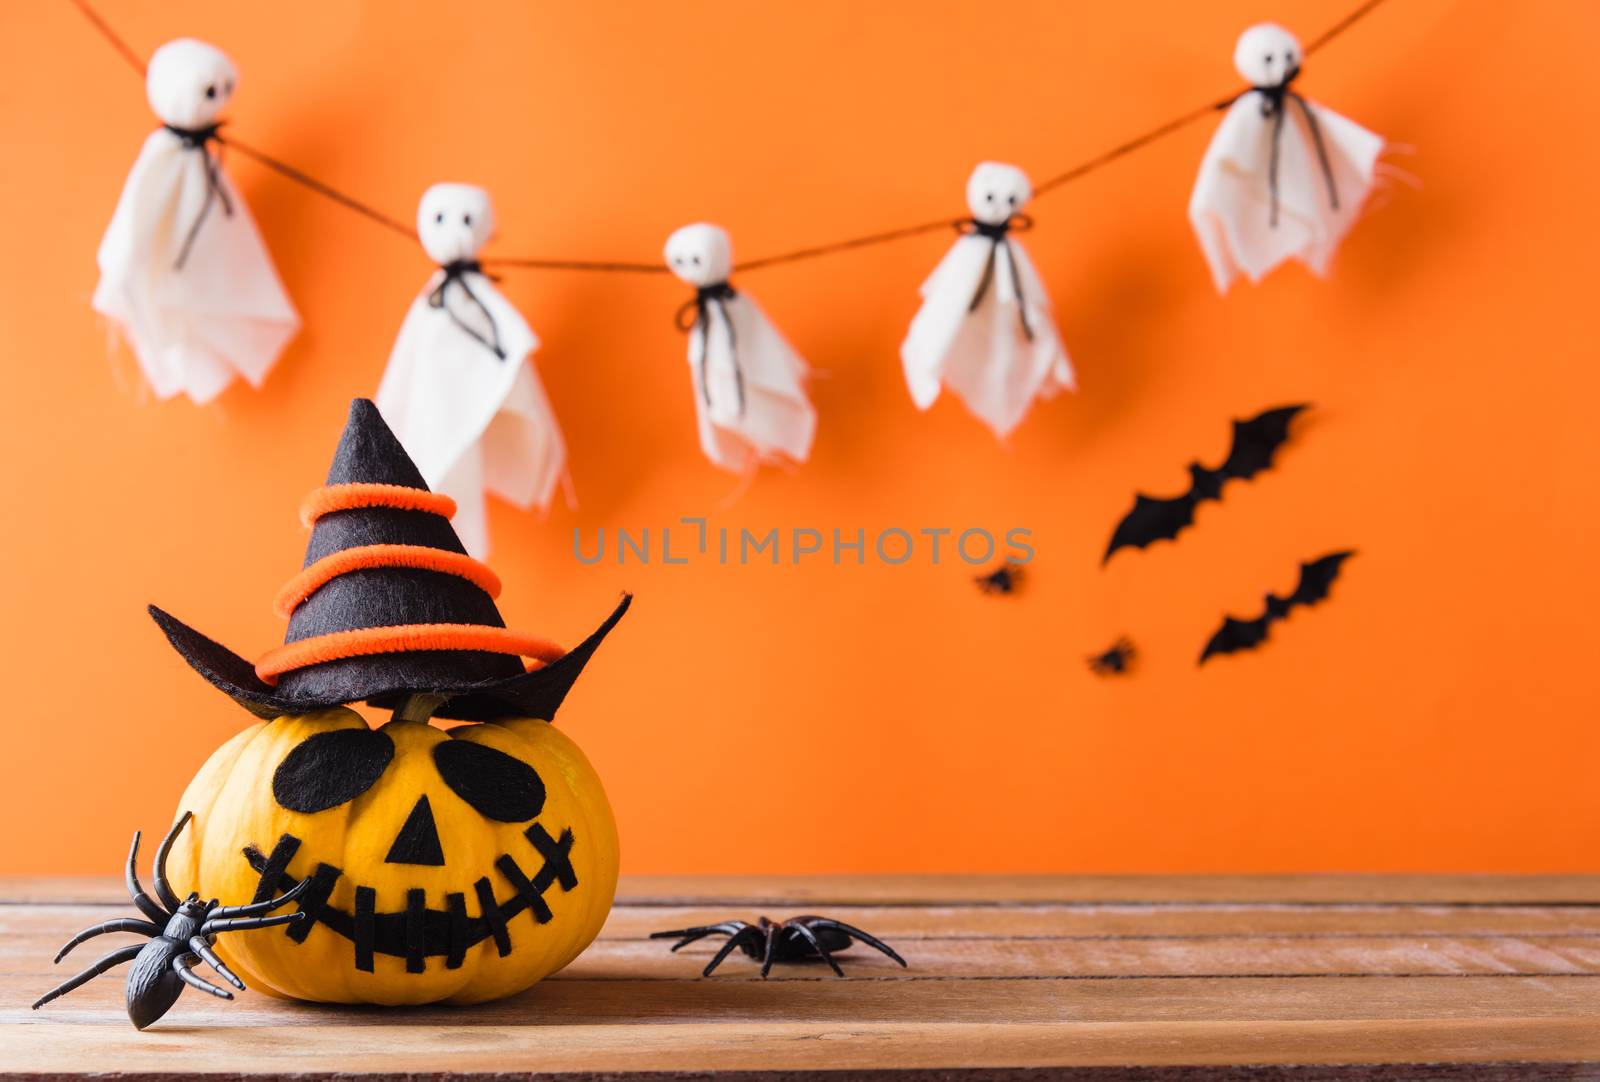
461 865
456 865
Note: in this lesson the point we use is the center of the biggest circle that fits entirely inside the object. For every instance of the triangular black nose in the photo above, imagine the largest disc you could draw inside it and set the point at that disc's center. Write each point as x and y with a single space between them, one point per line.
418 840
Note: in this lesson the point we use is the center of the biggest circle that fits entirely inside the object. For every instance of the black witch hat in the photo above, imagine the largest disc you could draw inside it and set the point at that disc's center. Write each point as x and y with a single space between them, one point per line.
389 608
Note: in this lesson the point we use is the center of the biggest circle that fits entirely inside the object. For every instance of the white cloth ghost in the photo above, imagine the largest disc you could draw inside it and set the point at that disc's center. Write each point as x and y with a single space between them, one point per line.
749 383
985 329
183 270
460 391
1283 178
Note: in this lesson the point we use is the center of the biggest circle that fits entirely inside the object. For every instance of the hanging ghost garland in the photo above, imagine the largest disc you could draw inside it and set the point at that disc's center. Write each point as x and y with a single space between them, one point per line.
183 270
749 383
985 329
460 390
1283 178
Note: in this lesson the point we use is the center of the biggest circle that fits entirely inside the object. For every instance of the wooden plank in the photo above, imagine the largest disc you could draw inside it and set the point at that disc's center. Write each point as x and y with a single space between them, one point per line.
591 1051
1110 958
1102 921
1453 890
942 943
1334 975
25 958
953 1001
1033 922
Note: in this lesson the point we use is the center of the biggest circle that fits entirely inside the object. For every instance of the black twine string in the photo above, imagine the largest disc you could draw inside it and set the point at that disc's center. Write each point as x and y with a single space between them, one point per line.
605 266
1139 142
195 139
456 272
134 60
1078 171
699 308
844 245
320 188
998 234
1342 25
1083 169
1274 101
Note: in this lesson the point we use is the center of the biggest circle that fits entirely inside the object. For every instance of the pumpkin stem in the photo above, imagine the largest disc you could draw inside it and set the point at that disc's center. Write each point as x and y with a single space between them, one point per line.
418 706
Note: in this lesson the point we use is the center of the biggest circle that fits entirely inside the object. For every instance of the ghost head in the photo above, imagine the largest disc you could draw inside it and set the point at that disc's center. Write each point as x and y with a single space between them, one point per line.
454 222
995 192
188 82
1267 54
700 254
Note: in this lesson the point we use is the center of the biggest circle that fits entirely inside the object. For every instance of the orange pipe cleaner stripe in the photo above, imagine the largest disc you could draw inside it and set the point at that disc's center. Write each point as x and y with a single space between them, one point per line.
331 498
420 557
404 639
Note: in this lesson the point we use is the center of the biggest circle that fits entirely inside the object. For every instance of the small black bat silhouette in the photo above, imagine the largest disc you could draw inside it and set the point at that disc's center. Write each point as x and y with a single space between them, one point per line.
1005 579
1315 579
1115 661
1254 443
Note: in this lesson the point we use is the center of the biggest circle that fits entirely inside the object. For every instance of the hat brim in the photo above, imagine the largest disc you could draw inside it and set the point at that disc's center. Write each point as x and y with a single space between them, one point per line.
537 693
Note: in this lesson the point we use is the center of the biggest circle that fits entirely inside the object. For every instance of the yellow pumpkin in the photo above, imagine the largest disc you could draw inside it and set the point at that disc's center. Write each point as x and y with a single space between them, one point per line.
459 865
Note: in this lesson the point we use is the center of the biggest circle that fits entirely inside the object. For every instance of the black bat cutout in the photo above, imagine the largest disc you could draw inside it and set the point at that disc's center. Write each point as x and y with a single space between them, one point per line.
1005 579
1316 578
1254 443
1116 661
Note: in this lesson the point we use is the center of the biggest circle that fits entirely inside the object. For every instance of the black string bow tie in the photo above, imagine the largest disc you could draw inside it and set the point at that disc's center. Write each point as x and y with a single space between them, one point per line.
197 139
999 237
456 271
1272 105
717 293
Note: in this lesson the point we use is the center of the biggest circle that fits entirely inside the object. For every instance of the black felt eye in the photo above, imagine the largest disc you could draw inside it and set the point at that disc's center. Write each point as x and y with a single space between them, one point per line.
329 769
211 91
988 197
697 261
439 218
499 786
1268 58
466 219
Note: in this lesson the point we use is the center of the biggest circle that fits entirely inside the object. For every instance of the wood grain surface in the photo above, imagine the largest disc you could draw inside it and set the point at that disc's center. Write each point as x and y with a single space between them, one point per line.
1140 977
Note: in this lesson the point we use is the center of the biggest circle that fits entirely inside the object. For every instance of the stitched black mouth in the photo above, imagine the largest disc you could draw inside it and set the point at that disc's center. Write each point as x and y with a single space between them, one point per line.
417 933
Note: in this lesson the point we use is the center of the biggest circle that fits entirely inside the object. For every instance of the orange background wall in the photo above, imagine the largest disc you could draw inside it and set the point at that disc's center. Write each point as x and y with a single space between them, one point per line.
1438 713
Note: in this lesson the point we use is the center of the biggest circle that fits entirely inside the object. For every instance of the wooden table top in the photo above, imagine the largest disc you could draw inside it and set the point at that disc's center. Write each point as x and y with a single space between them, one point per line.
1015 977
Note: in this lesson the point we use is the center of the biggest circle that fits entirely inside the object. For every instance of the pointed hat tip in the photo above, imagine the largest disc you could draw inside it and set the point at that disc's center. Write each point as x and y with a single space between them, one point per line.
370 453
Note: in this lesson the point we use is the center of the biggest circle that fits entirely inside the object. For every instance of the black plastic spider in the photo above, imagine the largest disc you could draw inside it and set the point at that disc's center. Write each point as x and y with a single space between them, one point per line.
797 939
1005 579
1115 661
181 934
